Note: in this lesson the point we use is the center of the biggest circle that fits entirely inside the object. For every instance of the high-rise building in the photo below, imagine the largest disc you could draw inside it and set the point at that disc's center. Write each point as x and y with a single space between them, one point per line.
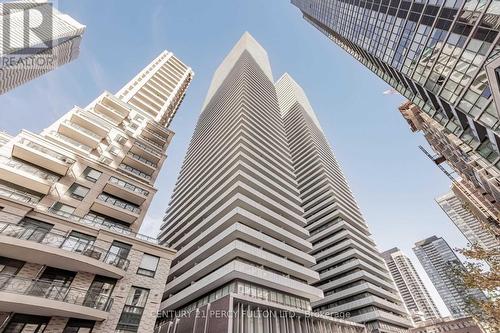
237 216
478 180
440 263
441 55
28 48
466 222
413 291
72 200
352 274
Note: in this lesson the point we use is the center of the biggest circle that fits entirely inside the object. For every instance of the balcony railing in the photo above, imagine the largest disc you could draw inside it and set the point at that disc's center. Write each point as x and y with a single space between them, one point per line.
128 186
18 195
15 164
55 291
63 241
142 159
119 203
69 140
146 148
83 129
98 223
134 171
46 151
157 145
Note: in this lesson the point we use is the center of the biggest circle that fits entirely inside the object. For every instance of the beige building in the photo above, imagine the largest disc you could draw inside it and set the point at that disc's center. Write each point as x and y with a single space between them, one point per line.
448 325
479 184
72 200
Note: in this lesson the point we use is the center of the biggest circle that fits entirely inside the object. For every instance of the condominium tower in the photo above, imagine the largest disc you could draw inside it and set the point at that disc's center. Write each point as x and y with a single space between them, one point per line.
28 48
241 209
476 183
441 55
72 200
466 222
413 291
440 263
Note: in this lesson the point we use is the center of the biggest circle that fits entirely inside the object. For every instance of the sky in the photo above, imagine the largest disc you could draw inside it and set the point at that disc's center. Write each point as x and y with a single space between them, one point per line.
393 181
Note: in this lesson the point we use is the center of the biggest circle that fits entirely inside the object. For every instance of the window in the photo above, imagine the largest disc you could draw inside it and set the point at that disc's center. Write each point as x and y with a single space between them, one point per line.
117 254
79 326
113 150
10 266
81 243
91 174
99 293
148 265
77 191
34 230
132 311
26 323
62 209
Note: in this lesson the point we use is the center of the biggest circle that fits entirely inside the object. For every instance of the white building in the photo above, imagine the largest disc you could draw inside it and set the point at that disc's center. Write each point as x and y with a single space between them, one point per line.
475 232
72 200
26 54
413 291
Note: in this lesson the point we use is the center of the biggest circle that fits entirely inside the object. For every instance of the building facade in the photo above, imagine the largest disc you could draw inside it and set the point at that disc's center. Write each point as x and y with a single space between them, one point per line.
352 274
439 262
238 221
466 222
441 55
478 179
413 291
25 53
448 325
72 200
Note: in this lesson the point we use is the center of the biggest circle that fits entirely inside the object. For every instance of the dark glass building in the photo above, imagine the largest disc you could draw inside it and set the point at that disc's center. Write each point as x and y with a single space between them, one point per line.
440 54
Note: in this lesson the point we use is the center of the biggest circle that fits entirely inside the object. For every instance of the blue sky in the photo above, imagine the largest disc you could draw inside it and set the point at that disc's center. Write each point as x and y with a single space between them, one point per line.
394 183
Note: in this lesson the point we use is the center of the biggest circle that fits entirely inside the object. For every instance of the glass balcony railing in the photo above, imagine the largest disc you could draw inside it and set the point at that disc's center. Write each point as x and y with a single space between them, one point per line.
44 150
59 239
128 186
159 137
55 291
69 140
134 171
119 203
148 149
83 129
157 145
18 195
142 159
97 222
18 165
94 119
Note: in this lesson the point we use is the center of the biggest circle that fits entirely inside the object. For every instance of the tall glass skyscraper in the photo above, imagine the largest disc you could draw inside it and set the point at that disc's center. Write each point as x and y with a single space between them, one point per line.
442 55
263 219
439 262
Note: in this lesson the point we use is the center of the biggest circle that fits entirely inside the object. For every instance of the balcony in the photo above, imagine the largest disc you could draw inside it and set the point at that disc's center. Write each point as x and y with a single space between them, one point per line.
38 154
148 152
126 191
140 163
79 133
135 172
151 142
46 298
18 195
18 172
103 224
69 142
158 139
57 249
116 208
92 122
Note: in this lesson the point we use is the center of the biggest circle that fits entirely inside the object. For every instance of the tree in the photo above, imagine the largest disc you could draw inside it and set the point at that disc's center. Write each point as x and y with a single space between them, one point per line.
478 275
